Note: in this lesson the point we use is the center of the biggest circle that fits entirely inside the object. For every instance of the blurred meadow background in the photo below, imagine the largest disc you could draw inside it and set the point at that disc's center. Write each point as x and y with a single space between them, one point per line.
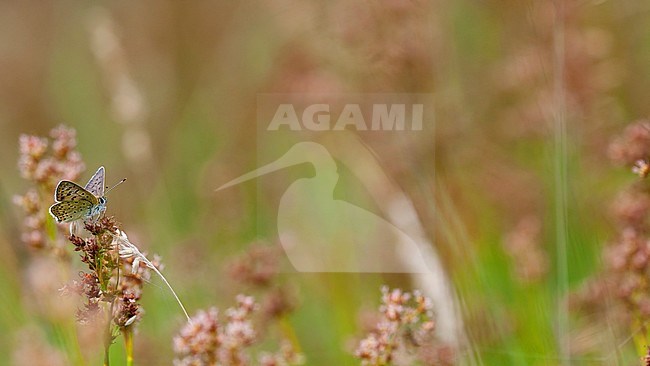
523 187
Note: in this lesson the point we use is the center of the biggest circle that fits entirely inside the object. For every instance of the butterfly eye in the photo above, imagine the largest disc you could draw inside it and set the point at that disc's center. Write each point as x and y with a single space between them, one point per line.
102 200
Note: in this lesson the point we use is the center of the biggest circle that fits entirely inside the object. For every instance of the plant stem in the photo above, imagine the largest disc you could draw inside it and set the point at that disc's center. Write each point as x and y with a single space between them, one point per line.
108 340
128 344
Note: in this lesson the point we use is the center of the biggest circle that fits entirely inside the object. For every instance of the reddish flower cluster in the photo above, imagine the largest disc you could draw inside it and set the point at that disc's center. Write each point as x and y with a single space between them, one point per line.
622 292
88 287
633 145
238 332
44 168
127 310
628 257
259 267
206 341
34 234
100 284
198 341
523 244
405 331
63 162
96 253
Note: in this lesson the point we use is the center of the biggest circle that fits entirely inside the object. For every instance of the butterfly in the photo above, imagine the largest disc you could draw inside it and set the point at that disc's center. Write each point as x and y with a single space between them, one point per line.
74 202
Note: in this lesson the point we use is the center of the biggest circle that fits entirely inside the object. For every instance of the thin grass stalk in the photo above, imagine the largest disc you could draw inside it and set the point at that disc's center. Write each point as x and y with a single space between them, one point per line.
128 345
560 172
108 336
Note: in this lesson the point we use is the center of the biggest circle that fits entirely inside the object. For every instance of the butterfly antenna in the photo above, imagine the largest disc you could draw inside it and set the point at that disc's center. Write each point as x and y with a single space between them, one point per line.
117 184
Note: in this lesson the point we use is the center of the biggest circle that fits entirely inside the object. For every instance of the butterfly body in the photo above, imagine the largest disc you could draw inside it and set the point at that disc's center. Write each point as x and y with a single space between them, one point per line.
74 202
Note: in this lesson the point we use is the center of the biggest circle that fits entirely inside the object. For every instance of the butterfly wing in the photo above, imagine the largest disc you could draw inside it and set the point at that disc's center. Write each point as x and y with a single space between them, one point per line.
71 191
96 184
67 211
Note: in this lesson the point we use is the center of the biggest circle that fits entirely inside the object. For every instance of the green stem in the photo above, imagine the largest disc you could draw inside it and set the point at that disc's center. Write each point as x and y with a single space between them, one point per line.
108 340
128 344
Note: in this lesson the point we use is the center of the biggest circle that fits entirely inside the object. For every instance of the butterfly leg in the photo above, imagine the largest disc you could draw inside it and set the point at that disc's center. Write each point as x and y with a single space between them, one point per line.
95 217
